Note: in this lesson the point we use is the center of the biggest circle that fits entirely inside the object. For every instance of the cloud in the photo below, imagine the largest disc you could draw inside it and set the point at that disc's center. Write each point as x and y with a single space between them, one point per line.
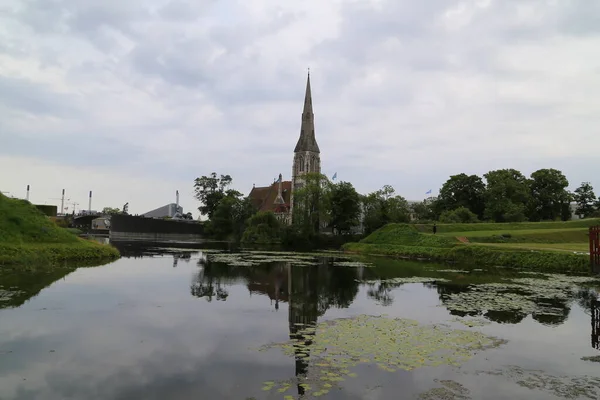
405 93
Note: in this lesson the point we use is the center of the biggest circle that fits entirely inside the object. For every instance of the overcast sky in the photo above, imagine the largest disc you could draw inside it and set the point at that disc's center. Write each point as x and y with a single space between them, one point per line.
135 99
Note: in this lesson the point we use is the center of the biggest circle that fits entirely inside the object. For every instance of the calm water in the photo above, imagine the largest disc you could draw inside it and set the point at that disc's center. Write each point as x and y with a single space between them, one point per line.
187 325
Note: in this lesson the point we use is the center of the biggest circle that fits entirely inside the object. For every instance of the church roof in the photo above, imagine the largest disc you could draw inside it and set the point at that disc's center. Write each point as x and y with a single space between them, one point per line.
307 140
263 198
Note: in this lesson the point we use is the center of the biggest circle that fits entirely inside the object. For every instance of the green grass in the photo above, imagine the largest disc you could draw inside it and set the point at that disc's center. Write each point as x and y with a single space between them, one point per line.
549 248
407 235
569 247
571 235
29 237
546 261
508 227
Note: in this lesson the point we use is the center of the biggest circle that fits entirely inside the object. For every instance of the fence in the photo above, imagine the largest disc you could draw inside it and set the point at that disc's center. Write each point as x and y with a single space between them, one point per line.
595 248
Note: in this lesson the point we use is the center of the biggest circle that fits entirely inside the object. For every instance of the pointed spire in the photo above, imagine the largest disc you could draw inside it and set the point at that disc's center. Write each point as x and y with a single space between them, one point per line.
279 198
307 140
307 98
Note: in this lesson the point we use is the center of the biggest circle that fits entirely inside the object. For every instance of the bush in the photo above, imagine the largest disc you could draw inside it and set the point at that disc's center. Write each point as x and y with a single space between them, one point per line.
407 235
263 227
458 216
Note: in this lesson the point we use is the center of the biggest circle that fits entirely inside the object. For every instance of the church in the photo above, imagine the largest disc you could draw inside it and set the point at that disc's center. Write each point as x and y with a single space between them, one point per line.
279 196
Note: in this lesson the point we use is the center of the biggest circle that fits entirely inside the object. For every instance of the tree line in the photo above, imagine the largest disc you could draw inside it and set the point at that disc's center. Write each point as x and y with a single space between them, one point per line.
320 205
508 196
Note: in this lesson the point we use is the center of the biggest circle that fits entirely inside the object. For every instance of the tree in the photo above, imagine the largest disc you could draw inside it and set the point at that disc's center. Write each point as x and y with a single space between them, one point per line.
209 191
462 190
461 215
230 215
111 210
506 196
344 203
548 194
311 208
262 227
585 198
397 209
381 208
423 211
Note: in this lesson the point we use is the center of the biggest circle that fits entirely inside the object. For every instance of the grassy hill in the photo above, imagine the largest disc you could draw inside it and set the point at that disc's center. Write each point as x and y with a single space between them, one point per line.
29 237
510 226
407 235
549 246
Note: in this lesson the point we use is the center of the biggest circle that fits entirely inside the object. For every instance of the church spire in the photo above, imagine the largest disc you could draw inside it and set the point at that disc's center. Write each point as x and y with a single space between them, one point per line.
307 140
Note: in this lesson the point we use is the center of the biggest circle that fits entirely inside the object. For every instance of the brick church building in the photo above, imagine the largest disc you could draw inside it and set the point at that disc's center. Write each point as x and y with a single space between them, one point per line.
279 196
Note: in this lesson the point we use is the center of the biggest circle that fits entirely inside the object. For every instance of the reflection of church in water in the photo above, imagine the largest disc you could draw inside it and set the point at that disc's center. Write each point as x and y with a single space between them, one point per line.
308 293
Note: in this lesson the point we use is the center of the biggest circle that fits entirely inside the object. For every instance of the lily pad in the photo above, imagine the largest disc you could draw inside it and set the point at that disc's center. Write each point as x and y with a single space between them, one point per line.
332 348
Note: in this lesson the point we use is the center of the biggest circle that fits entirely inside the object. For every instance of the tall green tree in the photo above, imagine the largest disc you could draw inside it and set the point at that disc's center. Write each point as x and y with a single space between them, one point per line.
209 190
462 190
230 215
344 203
549 195
382 207
311 209
585 198
423 210
506 196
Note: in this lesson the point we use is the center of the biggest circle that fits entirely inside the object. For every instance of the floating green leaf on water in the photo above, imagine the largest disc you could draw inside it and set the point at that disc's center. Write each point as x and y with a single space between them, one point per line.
521 295
336 346
253 258
565 387
351 264
412 279
592 359
450 390
472 322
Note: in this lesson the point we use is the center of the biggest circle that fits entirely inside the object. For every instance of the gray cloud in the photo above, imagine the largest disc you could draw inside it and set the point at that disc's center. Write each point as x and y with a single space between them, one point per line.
195 87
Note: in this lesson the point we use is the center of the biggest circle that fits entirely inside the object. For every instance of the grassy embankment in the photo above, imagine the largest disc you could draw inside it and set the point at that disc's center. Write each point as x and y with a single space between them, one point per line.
548 246
29 239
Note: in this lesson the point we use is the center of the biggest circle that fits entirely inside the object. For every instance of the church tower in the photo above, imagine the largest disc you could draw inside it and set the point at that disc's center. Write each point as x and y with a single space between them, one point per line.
307 156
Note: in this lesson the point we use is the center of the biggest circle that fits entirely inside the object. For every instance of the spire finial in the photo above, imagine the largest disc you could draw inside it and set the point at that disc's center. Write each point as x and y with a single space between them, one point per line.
309 71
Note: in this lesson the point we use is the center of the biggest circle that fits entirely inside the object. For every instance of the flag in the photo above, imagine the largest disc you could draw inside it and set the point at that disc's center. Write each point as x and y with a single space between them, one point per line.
428 192
334 176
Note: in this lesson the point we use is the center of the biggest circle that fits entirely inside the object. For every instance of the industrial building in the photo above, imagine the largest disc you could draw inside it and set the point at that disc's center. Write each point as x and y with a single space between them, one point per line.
170 211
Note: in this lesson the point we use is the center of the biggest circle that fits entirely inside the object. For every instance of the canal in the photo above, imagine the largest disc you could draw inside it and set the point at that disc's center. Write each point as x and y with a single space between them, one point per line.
214 324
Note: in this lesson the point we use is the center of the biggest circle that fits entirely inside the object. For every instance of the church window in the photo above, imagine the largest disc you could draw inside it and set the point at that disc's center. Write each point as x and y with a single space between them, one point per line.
301 164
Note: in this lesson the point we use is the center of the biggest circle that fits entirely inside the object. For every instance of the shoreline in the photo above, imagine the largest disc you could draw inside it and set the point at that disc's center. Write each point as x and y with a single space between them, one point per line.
538 260
50 254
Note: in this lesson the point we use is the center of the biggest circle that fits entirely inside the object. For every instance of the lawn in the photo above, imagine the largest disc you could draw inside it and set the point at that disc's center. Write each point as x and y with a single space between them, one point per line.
568 247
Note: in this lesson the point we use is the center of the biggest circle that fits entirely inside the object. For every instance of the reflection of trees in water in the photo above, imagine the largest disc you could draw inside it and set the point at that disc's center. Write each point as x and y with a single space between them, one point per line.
381 292
309 291
550 311
334 286
212 279
505 317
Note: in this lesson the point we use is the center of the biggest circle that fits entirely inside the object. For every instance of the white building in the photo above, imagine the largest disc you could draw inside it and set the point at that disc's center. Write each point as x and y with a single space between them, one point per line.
170 210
